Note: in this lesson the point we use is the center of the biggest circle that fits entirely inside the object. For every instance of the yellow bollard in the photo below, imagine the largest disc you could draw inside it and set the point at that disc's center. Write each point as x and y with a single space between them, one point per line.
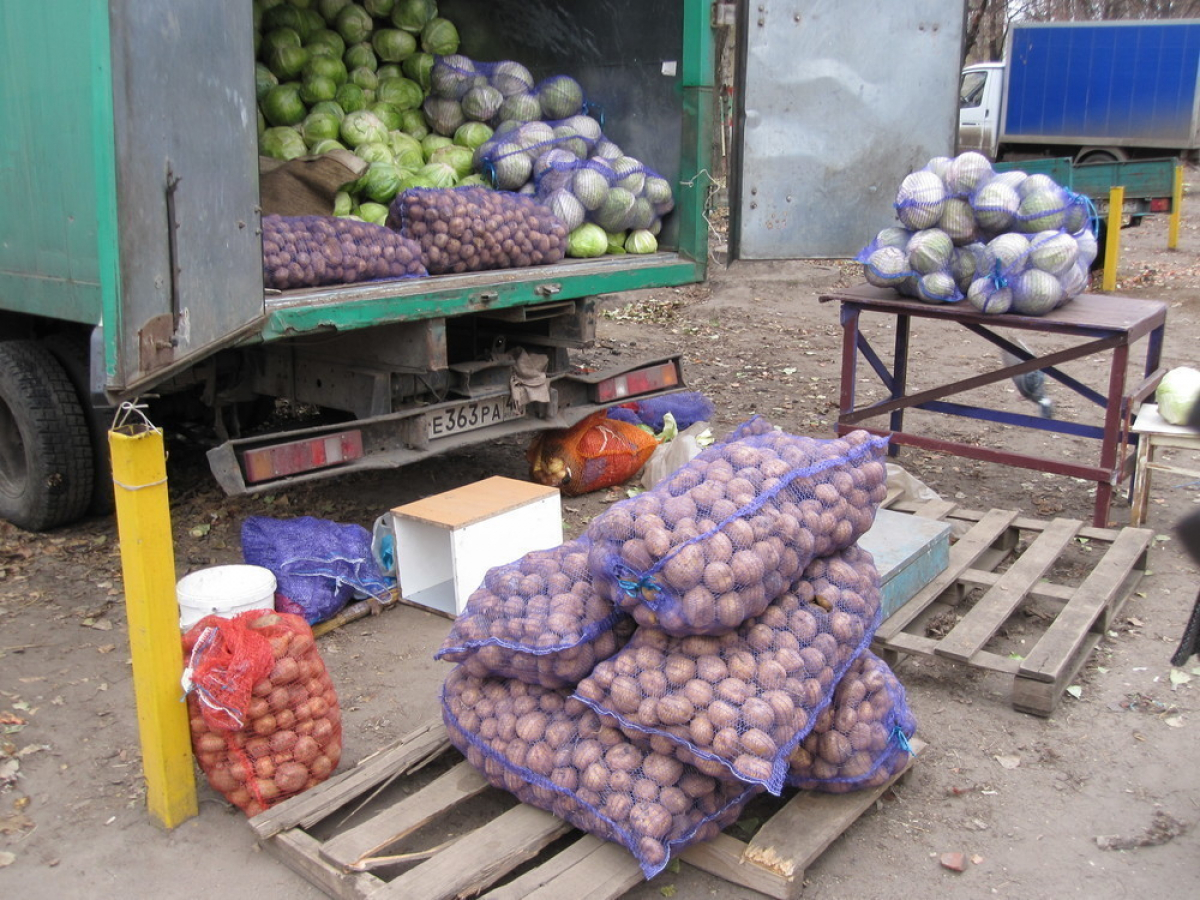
1176 210
1112 241
148 564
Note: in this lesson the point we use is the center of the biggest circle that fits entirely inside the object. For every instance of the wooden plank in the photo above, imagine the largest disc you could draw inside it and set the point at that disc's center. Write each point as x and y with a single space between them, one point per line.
299 852
393 823
963 554
907 643
481 857
1042 697
994 662
723 857
925 646
980 623
933 509
792 839
1106 586
1044 591
589 869
313 805
1022 523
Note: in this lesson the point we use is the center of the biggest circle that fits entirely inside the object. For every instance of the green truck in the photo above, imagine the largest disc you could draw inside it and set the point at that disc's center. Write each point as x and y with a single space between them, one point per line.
1149 185
131 258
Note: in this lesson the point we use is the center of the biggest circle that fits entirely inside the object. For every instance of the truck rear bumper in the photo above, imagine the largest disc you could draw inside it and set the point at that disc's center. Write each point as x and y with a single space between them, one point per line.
281 459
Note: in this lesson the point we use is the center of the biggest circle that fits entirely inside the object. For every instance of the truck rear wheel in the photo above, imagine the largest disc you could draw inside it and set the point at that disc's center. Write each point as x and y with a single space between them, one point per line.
71 350
46 467
1101 155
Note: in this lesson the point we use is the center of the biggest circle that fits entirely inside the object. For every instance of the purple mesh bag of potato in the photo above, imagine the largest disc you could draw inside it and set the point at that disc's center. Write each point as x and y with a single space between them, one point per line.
552 752
713 544
537 619
738 704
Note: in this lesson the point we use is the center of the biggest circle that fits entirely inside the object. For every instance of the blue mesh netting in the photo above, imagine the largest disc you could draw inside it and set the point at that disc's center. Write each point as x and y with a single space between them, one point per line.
319 565
714 543
755 425
687 408
1006 242
537 619
861 740
554 753
310 251
760 688
496 92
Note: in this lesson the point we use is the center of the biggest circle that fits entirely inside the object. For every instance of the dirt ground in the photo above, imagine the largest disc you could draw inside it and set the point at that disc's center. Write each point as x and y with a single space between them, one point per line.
1024 798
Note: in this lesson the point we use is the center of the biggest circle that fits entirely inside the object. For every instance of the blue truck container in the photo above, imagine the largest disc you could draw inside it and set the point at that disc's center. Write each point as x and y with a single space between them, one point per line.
1131 84
1093 91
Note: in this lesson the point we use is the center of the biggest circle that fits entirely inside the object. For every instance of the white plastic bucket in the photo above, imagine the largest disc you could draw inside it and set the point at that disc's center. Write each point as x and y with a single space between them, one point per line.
224 591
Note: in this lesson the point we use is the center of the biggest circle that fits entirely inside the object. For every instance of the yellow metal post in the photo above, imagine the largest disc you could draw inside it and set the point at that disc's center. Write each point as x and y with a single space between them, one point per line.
1176 210
148 563
1112 242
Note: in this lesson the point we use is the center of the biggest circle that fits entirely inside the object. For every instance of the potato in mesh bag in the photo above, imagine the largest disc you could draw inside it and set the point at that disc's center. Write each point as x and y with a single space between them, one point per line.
264 716
716 542
552 752
861 740
739 703
537 619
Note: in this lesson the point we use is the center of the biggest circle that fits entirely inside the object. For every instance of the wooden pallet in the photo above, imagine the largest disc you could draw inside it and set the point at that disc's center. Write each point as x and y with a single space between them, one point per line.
1002 563
353 839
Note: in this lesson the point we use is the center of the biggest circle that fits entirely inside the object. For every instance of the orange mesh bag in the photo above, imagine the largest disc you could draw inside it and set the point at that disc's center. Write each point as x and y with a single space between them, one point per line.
265 719
595 453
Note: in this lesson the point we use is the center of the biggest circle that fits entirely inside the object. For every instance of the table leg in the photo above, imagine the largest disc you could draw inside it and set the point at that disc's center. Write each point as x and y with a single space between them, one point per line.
1141 482
1112 433
847 395
1154 345
899 376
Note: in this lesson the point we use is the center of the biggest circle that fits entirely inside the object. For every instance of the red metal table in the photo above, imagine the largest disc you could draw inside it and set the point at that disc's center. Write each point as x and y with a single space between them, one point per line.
1111 323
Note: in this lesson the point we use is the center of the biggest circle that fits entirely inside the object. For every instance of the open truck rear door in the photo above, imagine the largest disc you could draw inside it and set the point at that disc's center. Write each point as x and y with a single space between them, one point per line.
837 102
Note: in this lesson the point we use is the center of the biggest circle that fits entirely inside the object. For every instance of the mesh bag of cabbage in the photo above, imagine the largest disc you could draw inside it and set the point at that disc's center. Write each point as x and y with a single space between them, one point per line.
618 193
265 720
537 619
503 91
520 150
862 738
1033 274
469 229
928 264
740 703
310 251
595 453
552 752
714 543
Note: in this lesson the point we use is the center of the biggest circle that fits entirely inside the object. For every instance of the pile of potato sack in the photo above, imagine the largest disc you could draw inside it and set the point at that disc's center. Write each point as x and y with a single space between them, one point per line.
699 643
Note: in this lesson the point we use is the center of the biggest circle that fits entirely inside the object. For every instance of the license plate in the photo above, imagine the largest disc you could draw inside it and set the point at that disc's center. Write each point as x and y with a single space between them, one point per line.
467 417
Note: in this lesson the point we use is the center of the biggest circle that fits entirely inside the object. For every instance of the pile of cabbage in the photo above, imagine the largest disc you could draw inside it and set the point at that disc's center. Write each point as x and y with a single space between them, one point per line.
383 80
544 142
1007 242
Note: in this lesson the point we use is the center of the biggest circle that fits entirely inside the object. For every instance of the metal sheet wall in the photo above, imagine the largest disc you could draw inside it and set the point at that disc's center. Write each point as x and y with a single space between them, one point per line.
839 100
187 287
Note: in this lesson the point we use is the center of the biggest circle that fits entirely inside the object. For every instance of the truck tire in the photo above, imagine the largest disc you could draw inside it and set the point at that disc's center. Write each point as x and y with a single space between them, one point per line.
1101 155
46 467
71 350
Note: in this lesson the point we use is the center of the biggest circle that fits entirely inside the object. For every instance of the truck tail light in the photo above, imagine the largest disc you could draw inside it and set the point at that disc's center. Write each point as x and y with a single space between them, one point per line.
639 381
1160 204
267 463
